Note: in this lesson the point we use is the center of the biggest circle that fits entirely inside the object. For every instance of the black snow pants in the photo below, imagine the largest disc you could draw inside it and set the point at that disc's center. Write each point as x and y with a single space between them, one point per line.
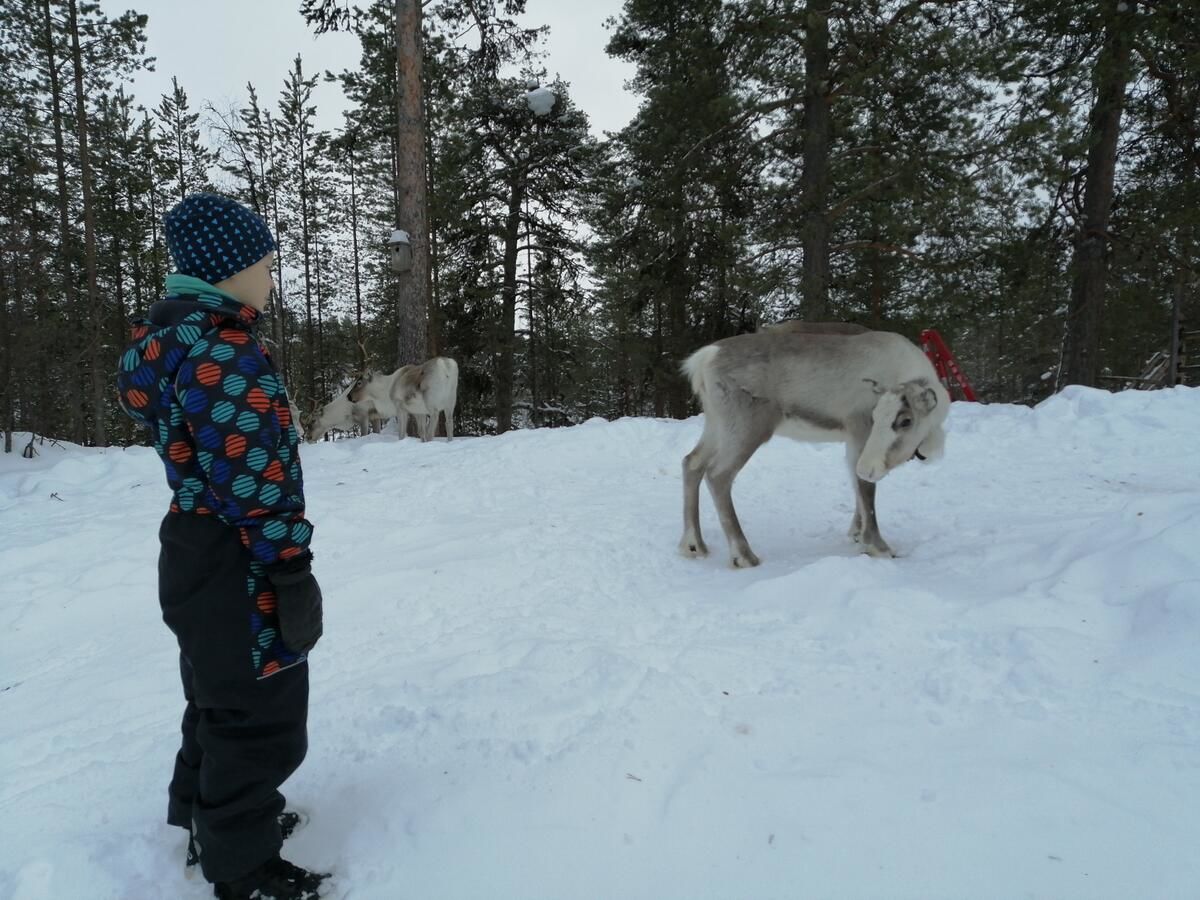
242 735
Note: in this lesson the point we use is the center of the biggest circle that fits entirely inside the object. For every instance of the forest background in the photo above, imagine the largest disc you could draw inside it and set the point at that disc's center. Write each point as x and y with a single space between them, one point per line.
1021 176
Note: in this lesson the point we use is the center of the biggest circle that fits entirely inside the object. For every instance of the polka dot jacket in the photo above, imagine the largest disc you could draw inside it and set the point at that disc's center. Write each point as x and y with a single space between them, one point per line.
197 377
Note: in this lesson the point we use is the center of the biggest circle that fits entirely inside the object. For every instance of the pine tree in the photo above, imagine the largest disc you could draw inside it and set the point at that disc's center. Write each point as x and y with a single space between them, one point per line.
297 143
248 154
187 160
1112 73
687 175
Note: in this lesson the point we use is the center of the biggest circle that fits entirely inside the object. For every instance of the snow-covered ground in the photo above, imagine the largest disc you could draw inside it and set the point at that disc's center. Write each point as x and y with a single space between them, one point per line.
524 692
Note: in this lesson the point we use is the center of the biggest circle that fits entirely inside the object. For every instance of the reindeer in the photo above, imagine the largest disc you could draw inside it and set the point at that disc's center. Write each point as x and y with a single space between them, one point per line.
874 391
422 391
341 412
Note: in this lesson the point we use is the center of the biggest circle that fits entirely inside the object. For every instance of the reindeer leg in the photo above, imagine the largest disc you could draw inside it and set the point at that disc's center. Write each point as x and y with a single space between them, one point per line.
450 424
869 537
402 422
694 465
856 524
720 475
720 485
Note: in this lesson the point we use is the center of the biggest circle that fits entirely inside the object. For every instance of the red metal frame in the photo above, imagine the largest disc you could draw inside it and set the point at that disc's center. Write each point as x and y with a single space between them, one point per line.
945 364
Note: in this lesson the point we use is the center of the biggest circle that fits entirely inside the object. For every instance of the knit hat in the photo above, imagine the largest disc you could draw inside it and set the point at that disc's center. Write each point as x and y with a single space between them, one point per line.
212 237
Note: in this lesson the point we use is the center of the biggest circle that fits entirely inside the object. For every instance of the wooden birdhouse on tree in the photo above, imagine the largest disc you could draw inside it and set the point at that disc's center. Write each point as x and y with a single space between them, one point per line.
400 252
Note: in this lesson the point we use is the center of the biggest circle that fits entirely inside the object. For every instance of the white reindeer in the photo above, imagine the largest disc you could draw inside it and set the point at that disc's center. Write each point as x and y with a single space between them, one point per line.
874 391
341 412
422 391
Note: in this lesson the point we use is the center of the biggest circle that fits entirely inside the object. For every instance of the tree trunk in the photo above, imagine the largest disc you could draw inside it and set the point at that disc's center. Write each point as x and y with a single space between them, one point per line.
12 300
179 141
77 393
508 309
660 397
413 299
7 416
435 310
814 181
41 339
875 267
136 256
875 261
535 399
118 322
1111 77
155 248
309 342
674 386
624 364
395 161
320 316
535 417
1177 296
95 344
279 325
436 316
358 332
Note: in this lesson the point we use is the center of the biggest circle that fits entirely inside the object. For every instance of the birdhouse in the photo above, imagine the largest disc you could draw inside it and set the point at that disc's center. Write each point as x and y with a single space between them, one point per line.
400 252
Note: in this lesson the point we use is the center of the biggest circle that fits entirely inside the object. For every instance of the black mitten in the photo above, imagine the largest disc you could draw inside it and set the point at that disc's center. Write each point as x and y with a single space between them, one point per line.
298 603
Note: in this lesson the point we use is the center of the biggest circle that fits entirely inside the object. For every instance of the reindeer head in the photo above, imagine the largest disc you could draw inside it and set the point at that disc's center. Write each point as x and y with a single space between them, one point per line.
358 390
320 420
905 423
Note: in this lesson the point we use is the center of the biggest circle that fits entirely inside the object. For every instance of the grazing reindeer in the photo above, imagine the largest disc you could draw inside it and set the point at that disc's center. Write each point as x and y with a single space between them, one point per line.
873 391
341 412
422 391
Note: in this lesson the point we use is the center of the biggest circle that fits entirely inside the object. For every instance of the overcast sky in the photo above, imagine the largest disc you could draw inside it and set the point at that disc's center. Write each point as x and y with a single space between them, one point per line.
215 47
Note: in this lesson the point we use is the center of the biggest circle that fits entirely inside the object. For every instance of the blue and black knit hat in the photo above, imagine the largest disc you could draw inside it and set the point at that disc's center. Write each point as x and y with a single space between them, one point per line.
211 237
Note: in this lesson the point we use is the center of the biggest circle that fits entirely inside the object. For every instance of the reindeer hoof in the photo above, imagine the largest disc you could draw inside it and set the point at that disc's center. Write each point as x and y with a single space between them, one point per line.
745 560
879 551
693 549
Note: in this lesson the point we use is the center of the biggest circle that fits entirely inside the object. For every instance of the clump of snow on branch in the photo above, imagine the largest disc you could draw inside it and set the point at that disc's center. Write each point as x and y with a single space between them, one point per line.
541 100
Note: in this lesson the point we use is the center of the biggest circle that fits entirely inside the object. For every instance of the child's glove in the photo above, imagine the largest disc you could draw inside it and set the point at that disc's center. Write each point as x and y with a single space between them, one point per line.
299 604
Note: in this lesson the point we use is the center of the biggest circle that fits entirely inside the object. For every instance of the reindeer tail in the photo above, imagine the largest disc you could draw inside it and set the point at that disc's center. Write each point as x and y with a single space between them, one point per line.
696 367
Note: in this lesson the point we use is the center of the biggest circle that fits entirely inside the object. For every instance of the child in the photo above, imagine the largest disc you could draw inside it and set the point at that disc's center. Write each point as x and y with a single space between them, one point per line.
234 575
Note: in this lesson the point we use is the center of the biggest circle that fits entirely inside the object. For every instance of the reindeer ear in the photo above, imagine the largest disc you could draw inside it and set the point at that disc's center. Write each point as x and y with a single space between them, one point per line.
923 401
875 386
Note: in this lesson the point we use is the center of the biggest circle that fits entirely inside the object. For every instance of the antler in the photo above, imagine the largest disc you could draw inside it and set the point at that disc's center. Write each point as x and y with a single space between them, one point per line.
364 357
